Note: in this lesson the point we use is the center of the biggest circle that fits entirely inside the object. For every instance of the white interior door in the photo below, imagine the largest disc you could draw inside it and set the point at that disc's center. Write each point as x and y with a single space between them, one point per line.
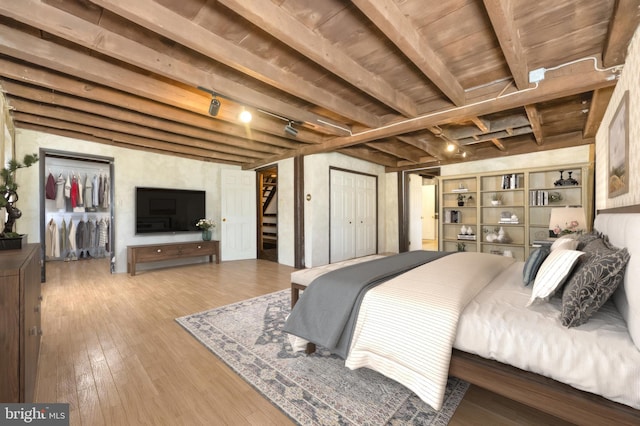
366 222
342 238
238 228
415 212
429 212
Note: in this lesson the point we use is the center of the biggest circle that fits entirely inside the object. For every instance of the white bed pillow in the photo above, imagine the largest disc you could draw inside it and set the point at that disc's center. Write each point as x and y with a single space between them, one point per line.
566 242
553 273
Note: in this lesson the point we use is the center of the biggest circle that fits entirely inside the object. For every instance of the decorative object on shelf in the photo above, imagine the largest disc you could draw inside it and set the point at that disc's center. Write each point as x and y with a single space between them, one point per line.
566 182
462 247
507 217
206 226
464 198
554 197
496 199
466 233
460 188
491 235
567 220
9 189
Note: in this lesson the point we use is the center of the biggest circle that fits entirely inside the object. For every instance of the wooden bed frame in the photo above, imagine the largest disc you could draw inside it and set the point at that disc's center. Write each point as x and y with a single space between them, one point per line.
536 391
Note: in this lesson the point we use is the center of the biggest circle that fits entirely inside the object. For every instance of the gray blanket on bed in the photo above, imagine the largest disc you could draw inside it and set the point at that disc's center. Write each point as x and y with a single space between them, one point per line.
328 308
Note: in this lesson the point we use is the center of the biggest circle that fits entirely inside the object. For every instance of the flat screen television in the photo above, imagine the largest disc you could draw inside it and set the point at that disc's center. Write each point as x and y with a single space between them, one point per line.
168 210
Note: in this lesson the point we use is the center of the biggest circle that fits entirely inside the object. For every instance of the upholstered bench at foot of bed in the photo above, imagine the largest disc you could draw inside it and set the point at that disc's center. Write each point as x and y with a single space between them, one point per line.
302 278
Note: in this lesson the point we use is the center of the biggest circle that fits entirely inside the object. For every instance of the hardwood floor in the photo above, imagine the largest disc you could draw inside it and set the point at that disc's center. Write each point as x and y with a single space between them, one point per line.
112 349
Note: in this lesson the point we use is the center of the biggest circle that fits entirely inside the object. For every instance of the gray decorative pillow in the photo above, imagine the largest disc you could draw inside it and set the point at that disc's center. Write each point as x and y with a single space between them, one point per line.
533 263
592 285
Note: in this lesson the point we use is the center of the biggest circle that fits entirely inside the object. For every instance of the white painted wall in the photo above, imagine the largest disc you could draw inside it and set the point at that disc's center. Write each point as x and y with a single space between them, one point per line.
629 80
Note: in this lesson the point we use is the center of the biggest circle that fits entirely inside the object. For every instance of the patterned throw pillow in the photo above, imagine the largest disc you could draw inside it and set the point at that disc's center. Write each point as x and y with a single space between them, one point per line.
591 286
533 263
584 239
552 274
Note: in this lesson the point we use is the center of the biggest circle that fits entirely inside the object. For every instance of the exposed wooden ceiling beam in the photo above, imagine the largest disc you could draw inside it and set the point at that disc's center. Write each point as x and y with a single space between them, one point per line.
76 134
498 144
367 155
84 33
401 31
96 93
229 144
155 17
394 149
271 18
503 23
71 62
625 20
83 131
599 103
536 122
158 137
581 78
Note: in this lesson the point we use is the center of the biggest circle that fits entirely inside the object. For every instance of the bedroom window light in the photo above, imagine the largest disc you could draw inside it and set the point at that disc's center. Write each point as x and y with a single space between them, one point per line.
567 220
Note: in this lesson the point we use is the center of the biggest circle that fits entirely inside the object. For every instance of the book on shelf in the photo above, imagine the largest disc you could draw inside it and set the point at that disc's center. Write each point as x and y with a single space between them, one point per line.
452 216
460 190
538 198
511 181
467 237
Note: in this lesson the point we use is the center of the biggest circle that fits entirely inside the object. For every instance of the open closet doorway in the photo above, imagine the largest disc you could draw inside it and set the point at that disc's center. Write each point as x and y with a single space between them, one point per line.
419 216
268 213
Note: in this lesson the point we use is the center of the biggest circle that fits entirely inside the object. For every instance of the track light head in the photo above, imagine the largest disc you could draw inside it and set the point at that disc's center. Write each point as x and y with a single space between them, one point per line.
214 107
290 129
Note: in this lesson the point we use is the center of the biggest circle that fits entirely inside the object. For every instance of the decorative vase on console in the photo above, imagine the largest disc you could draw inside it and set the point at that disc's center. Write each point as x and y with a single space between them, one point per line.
206 226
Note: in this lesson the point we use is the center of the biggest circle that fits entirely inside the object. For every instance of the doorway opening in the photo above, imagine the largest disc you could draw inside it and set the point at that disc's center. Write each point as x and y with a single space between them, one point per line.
268 213
419 210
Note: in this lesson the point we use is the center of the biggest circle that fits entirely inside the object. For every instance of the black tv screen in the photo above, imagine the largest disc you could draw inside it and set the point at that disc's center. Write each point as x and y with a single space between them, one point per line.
168 210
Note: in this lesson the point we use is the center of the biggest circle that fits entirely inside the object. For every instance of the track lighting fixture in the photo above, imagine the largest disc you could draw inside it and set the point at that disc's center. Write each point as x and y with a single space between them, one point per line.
214 107
290 129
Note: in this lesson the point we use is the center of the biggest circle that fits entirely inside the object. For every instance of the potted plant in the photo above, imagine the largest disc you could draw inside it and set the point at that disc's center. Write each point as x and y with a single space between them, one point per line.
463 198
9 190
496 199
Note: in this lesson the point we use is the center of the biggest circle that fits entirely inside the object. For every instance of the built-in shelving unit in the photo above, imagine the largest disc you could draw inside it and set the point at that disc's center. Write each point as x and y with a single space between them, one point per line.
510 209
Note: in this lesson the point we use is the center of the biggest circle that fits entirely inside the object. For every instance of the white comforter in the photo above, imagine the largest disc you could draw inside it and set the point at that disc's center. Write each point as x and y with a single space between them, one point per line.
597 357
406 327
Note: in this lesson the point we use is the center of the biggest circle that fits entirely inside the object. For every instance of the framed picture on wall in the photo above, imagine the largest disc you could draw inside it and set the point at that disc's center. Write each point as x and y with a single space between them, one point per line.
618 158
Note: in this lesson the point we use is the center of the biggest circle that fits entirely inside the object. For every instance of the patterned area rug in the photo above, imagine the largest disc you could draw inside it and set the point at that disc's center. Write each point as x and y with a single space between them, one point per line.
311 389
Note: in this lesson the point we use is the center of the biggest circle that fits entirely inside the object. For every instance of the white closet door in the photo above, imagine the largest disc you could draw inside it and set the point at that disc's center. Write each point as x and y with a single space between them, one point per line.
366 222
353 215
238 228
342 238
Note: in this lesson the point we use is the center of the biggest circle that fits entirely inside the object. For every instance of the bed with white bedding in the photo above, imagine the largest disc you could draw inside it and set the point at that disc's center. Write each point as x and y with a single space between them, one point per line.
587 374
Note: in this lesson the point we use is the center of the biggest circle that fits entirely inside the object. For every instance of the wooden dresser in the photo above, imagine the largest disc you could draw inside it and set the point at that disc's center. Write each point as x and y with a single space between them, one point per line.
20 299
169 251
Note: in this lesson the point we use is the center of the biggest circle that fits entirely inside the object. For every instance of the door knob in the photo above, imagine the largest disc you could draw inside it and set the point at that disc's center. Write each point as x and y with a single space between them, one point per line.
224 219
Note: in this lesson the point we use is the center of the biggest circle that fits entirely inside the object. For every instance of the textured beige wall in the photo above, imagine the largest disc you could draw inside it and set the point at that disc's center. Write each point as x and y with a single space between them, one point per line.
316 211
629 80
131 168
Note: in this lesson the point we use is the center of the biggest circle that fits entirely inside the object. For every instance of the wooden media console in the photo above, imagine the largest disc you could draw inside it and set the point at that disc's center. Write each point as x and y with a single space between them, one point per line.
168 251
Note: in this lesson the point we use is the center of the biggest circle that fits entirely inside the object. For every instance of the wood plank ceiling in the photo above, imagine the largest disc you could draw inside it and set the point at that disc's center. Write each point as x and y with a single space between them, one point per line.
389 81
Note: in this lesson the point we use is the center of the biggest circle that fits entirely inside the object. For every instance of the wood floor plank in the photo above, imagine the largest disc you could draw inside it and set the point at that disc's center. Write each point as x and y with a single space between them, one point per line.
113 350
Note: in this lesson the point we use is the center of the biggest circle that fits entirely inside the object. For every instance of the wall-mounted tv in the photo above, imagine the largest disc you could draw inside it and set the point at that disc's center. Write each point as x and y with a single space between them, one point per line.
168 210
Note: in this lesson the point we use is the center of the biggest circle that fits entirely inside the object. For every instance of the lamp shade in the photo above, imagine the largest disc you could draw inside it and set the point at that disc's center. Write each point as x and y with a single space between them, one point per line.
567 220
